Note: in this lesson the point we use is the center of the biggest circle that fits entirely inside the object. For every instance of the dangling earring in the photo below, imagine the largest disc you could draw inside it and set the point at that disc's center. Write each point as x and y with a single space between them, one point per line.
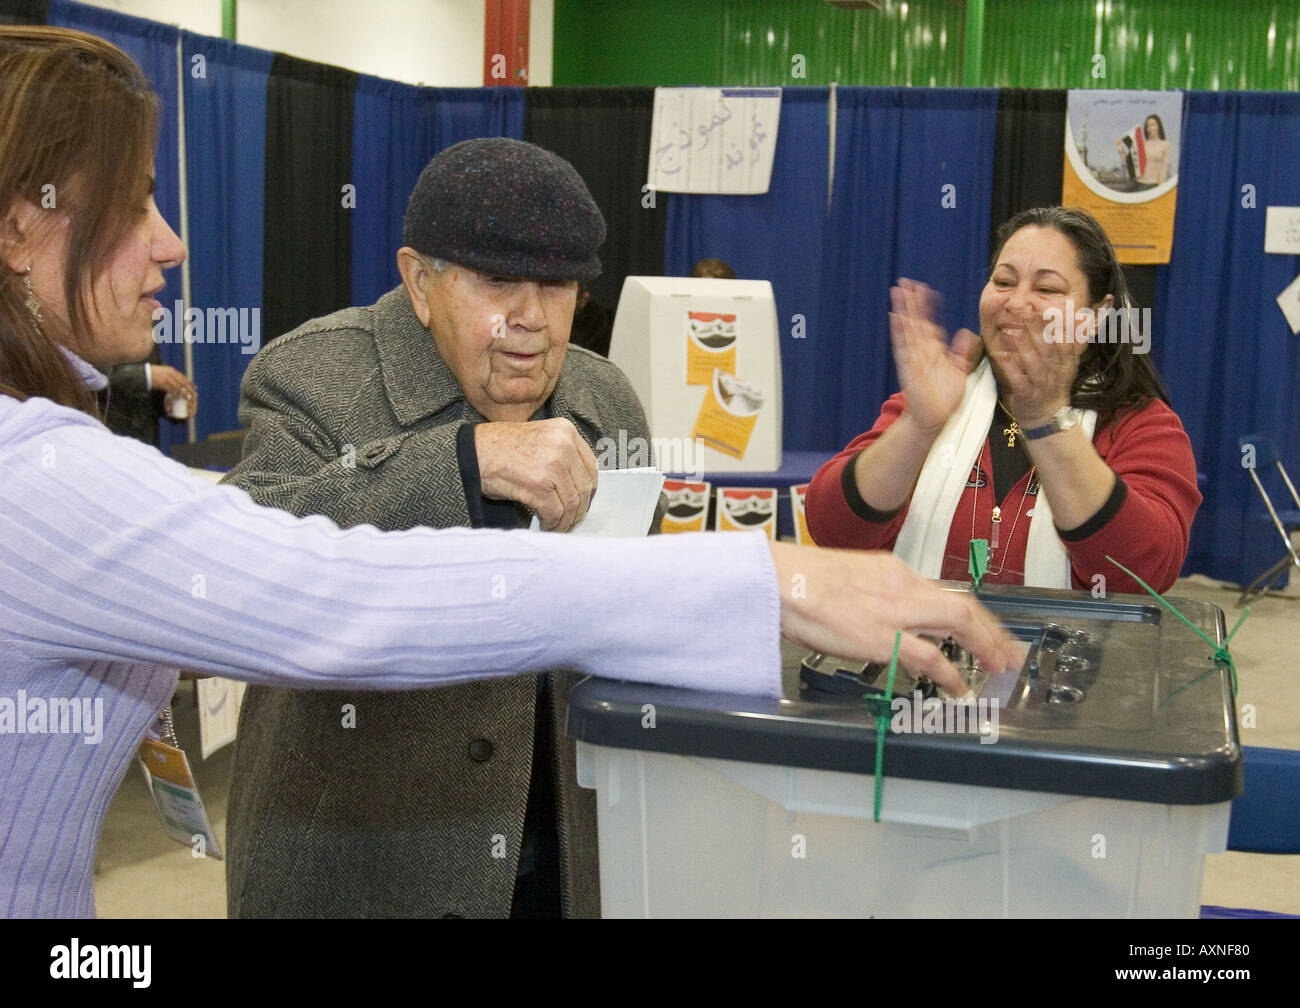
33 302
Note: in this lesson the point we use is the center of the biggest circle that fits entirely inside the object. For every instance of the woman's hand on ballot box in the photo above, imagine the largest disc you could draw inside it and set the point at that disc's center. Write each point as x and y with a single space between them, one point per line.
850 603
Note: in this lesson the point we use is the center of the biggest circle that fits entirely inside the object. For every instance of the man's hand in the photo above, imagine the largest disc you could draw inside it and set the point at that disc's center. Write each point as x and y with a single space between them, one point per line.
543 464
850 604
175 384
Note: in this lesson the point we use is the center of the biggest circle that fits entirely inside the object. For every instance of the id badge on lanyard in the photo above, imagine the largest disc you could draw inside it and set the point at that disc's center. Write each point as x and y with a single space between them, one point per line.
176 796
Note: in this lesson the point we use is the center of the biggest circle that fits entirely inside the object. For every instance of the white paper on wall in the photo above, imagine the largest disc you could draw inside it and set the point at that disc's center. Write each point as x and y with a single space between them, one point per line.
713 140
1289 302
1282 230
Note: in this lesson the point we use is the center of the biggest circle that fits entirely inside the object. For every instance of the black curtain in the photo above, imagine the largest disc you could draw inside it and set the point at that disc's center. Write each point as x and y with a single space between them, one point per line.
1028 153
605 134
24 12
1029 169
307 242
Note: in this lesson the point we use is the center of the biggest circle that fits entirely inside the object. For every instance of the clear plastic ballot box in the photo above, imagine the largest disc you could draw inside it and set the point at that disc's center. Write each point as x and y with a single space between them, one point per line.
1091 782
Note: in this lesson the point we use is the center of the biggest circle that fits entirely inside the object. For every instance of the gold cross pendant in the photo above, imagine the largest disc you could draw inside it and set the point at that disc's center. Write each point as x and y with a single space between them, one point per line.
1012 433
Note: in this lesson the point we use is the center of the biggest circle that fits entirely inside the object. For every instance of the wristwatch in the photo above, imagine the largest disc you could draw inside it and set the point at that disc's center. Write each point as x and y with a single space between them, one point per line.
1062 419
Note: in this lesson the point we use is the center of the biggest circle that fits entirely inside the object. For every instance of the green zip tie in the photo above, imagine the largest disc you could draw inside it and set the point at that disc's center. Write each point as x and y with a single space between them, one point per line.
1221 654
882 707
979 561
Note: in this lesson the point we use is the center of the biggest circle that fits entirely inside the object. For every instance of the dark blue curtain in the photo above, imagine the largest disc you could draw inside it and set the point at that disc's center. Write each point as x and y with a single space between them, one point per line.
776 236
397 128
225 145
154 47
913 177
1224 348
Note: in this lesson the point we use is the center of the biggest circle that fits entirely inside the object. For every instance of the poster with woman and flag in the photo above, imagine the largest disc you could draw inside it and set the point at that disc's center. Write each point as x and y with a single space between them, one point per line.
1121 165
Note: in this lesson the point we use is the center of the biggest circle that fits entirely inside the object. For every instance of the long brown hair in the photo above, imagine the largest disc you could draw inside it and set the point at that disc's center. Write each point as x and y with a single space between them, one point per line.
1112 379
78 128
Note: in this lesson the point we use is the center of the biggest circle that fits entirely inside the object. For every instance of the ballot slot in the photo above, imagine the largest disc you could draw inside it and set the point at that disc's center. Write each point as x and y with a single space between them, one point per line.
1060 665
1068 660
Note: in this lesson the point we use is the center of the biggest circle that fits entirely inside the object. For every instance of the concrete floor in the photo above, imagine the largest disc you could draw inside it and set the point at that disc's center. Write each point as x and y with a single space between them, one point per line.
141 873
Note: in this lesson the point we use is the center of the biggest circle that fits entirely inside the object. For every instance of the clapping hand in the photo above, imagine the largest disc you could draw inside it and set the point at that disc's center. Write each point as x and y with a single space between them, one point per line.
932 371
1036 369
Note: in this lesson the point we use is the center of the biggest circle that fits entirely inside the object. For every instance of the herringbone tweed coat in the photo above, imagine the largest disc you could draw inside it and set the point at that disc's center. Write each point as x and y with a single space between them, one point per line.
417 809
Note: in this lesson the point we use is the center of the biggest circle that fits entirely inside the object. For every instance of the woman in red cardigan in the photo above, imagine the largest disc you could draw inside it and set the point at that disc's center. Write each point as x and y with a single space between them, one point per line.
1049 434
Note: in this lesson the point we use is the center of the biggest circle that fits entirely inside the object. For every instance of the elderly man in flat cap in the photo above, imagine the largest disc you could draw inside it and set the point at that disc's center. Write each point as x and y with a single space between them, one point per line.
454 400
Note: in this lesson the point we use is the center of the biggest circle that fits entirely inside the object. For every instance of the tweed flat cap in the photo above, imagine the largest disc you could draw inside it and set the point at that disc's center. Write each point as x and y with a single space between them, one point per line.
506 207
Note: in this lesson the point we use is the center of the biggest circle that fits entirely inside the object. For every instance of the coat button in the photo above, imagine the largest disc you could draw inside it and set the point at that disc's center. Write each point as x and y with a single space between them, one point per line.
480 750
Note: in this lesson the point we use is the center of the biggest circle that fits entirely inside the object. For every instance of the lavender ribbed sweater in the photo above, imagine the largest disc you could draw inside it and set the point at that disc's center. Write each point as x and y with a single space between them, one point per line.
117 567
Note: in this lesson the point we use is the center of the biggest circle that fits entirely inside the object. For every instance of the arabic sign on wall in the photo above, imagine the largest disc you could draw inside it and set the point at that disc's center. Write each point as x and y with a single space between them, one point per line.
1122 154
713 140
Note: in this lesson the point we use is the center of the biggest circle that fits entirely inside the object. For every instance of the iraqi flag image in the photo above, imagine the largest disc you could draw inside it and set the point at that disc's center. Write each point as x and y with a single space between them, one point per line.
1136 145
745 509
688 506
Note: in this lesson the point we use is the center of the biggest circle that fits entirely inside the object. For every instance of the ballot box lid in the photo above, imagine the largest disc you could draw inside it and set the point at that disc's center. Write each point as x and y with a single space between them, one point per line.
1154 720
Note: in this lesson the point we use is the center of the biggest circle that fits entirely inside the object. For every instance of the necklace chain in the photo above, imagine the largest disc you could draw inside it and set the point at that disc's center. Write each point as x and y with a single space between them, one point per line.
974 507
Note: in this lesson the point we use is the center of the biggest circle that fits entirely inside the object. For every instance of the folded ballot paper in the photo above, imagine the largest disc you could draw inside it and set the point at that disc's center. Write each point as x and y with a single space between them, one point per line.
624 504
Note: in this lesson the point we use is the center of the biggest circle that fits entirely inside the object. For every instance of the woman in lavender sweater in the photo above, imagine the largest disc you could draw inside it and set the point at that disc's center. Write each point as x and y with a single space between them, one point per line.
116 566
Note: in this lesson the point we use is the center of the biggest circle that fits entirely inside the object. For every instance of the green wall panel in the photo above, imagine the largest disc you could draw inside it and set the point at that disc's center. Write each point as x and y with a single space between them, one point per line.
659 43
918 43
1199 44
1208 45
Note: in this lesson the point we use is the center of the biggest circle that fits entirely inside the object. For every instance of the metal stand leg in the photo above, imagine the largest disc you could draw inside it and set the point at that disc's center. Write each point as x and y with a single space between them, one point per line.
1265 580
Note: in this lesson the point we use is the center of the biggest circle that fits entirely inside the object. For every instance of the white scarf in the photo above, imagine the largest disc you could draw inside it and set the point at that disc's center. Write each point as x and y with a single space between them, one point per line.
923 539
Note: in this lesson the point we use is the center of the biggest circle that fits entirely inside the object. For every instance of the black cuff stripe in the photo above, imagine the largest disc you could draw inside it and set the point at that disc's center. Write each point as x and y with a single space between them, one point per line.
467 456
854 499
1102 518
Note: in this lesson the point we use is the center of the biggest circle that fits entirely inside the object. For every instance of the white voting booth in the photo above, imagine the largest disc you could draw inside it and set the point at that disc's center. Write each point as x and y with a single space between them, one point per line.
704 359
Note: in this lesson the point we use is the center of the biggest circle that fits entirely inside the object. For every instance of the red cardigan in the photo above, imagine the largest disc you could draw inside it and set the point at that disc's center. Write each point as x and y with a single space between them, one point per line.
1147 449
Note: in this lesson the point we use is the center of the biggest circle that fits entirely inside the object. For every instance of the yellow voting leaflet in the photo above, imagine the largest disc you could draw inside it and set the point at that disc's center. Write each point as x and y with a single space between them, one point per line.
727 415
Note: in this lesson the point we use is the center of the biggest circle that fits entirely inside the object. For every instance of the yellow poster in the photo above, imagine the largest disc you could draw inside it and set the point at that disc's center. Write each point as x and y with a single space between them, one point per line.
1122 153
710 345
801 535
746 509
688 506
727 415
